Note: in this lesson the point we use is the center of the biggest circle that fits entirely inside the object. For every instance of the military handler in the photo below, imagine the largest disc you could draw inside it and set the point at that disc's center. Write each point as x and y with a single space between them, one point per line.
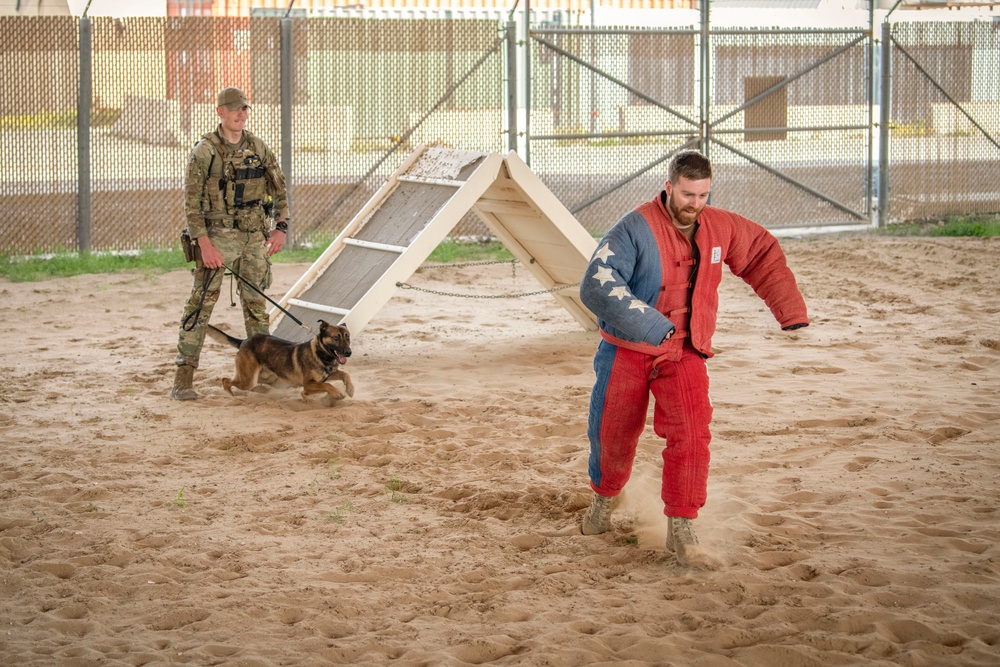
231 176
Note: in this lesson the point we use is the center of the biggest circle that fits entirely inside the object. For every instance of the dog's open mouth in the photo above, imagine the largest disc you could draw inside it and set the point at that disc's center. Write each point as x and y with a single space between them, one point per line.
341 359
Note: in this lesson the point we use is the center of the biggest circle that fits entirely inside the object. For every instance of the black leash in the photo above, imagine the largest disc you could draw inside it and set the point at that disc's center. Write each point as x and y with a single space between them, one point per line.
209 276
275 303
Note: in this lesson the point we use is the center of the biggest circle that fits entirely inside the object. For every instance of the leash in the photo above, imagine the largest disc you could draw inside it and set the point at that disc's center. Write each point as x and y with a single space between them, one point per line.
209 276
275 303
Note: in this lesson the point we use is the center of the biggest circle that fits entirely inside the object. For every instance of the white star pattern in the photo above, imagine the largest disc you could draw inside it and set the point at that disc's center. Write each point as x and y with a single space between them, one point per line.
603 274
620 291
638 305
604 253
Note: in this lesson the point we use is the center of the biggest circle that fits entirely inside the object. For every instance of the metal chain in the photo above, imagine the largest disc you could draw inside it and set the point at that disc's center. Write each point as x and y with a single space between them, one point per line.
513 270
458 265
484 296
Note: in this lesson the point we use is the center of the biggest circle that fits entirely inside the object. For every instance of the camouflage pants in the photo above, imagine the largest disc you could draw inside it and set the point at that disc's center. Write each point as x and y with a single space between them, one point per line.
245 253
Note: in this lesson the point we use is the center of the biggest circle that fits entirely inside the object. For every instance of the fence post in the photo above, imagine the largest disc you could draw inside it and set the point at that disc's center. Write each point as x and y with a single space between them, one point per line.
705 85
86 95
286 76
527 82
511 85
883 129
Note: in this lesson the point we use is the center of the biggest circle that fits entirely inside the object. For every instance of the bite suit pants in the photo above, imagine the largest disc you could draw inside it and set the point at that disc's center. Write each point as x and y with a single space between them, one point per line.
682 413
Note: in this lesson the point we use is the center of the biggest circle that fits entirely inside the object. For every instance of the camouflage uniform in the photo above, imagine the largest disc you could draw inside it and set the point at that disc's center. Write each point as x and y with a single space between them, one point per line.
239 233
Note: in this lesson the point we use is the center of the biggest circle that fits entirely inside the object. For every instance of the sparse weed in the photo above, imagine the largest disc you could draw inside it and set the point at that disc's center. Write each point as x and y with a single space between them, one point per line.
179 501
340 512
394 488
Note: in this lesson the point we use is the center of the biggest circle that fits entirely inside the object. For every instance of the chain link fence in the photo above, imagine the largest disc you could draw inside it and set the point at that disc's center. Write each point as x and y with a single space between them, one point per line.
97 116
943 134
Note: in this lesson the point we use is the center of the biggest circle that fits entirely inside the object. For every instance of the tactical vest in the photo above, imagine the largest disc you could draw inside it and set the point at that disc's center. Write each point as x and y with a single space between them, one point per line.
236 192
243 183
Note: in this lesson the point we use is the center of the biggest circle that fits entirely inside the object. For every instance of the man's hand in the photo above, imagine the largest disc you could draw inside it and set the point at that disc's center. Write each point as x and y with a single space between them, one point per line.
210 257
275 242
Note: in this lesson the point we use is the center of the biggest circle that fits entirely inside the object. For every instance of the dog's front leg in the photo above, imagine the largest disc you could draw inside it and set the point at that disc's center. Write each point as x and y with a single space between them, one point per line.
322 387
344 377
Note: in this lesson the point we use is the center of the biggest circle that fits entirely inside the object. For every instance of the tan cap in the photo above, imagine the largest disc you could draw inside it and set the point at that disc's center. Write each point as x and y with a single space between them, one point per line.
233 99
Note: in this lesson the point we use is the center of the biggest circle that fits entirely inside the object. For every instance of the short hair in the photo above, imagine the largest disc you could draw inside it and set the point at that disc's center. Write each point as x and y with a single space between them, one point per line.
689 164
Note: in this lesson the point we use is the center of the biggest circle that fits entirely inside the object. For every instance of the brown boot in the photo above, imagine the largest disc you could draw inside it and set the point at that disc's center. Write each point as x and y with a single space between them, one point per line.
597 520
183 391
680 538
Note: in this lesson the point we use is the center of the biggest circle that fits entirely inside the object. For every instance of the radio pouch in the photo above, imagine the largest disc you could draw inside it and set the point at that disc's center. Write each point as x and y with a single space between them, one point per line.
192 253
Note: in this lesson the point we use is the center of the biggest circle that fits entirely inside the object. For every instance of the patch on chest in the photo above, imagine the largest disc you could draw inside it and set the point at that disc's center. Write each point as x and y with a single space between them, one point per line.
716 255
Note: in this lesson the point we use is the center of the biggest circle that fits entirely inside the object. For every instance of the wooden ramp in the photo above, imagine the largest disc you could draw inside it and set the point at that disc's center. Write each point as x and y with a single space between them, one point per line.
417 207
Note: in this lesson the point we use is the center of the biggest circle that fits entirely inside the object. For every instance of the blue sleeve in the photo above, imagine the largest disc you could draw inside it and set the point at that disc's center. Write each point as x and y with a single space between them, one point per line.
621 281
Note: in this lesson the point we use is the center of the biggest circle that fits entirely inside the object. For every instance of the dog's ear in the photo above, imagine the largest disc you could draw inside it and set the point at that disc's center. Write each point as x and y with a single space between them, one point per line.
323 324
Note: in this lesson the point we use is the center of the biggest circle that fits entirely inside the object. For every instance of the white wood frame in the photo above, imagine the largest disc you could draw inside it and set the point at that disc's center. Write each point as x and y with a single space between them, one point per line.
507 196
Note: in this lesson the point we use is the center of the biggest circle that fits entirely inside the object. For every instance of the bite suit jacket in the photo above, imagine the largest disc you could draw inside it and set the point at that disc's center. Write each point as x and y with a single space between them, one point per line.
647 279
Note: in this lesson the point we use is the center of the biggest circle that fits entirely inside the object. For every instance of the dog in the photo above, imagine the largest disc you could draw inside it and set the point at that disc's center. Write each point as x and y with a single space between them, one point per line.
309 365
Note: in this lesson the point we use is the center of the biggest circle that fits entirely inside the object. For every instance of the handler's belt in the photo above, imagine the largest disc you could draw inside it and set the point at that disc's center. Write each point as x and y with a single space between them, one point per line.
248 218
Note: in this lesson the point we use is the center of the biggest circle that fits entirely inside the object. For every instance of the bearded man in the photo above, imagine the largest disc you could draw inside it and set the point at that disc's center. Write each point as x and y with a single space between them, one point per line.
653 284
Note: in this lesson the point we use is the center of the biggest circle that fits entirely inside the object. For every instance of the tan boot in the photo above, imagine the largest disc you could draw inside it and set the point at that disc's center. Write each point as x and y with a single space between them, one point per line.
597 520
680 536
183 391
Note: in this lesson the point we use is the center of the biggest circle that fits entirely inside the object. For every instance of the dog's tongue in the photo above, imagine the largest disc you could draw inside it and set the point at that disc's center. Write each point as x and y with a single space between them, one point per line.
341 359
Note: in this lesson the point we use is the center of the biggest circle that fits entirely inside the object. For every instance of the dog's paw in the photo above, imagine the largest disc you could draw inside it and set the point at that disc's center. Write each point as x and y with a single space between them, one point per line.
350 389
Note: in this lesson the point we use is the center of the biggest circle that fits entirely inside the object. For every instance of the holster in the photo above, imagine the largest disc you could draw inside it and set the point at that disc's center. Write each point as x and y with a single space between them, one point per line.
192 252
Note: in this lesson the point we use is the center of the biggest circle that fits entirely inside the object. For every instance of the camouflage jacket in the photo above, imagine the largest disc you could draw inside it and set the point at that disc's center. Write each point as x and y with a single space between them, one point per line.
204 204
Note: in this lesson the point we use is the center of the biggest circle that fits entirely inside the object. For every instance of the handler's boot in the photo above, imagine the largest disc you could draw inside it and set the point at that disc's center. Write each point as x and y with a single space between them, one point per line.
680 536
597 520
183 391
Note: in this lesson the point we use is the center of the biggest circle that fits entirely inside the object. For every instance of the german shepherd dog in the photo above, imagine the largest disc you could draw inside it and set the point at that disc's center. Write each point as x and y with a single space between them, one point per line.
308 365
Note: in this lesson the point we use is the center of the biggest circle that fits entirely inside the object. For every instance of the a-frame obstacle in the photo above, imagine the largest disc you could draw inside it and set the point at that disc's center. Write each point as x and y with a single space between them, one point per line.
413 212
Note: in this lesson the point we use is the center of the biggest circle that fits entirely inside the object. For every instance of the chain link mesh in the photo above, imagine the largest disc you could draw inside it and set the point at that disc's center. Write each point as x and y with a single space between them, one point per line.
623 102
597 144
371 91
39 88
799 156
944 143
608 107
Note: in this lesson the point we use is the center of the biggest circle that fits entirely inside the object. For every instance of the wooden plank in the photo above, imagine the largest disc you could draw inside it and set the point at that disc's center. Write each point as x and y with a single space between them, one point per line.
319 307
432 181
336 247
543 199
433 232
375 246
404 213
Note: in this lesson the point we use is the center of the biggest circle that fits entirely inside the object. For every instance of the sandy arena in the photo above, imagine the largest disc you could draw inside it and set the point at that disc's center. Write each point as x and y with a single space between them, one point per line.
433 519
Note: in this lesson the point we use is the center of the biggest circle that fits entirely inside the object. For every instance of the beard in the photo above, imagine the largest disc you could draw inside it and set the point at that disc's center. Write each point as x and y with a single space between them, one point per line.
685 217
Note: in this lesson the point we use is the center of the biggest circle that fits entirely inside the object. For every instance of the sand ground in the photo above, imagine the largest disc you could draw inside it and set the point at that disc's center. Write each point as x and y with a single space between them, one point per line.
433 519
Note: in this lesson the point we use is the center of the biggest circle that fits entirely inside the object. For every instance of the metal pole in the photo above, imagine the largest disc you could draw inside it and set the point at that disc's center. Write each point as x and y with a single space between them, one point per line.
527 82
705 86
512 85
286 76
883 134
84 102
872 94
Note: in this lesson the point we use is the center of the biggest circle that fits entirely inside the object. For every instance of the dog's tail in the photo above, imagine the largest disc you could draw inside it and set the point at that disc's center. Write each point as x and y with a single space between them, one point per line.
223 337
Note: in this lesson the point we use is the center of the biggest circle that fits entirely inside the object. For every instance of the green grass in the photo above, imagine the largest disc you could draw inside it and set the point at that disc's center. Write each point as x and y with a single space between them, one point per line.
64 264
33 268
982 225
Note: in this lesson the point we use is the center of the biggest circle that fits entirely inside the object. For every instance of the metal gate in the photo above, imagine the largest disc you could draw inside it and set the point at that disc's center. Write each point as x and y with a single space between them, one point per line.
940 131
785 115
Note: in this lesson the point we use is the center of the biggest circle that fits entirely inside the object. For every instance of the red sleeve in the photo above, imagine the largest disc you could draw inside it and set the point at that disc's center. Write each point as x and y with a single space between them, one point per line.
757 258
